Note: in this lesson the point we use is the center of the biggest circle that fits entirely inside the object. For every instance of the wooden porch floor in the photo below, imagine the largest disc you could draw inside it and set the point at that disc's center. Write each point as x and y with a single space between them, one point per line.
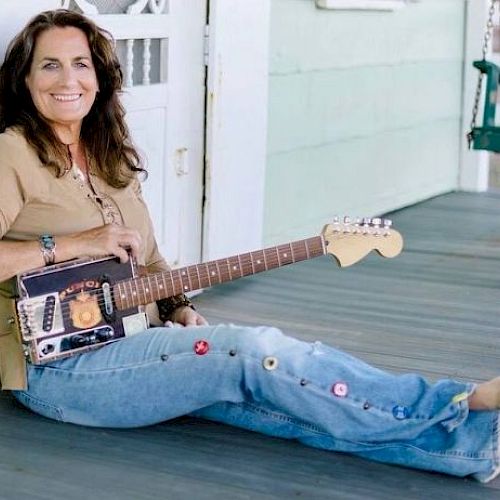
433 309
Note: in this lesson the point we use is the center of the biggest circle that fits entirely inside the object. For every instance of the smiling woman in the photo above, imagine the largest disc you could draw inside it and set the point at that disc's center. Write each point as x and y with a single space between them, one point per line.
59 107
62 80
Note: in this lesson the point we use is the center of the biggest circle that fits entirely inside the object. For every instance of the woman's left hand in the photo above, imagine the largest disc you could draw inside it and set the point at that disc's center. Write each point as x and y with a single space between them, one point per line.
186 316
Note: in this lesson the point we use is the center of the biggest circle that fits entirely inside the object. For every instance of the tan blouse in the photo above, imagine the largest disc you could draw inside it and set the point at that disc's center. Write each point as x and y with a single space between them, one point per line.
34 202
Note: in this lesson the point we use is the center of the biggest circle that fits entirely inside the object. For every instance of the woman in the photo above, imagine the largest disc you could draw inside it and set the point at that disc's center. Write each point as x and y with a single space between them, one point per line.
70 189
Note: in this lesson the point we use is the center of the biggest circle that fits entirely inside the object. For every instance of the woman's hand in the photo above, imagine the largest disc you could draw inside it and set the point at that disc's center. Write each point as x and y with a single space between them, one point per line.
186 316
110 239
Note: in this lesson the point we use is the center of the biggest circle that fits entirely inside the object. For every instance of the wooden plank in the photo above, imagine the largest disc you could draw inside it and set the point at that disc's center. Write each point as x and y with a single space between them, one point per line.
427 310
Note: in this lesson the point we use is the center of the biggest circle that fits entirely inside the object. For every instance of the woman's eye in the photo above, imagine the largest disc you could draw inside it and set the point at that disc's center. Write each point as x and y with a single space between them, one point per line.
51 65
81 65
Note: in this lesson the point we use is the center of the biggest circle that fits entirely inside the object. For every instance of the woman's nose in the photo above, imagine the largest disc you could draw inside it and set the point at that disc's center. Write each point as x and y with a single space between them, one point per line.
67 75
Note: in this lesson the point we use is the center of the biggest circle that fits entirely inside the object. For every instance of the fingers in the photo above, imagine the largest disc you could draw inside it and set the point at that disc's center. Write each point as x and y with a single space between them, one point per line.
110 239
187 317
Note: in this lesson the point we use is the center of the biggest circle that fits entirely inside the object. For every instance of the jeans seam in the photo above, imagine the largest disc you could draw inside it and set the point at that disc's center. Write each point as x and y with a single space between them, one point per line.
37 402
282 417
103 370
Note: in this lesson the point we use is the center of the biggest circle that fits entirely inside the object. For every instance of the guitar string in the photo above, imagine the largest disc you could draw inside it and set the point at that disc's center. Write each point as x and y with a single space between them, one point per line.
271 261
203 272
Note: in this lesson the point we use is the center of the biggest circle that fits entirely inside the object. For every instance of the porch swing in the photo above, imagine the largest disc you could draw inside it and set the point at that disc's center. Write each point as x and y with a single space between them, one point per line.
486 137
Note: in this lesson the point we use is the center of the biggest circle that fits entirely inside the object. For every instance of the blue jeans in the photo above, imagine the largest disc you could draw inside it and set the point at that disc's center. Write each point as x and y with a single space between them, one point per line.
259 379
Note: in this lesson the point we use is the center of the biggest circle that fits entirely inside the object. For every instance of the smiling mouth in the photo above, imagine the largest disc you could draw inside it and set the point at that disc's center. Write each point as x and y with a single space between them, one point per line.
66 97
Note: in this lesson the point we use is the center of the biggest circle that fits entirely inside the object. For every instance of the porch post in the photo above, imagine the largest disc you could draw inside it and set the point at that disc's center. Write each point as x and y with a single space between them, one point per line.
236 149
474 165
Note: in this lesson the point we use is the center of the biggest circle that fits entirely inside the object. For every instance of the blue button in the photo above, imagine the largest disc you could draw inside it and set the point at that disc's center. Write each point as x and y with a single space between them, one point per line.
400 412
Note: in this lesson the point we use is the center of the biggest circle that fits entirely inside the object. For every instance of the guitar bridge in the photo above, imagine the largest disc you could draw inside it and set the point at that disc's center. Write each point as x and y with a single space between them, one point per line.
40 316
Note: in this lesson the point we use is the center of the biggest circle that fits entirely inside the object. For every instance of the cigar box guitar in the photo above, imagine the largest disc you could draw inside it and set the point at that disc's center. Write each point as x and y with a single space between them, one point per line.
79 305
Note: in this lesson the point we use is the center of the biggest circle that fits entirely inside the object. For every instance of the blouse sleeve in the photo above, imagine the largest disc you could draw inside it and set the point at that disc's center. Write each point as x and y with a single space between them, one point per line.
12 196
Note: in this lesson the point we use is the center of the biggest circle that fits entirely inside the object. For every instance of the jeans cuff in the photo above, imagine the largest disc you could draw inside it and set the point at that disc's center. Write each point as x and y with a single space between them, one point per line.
460 407
486 477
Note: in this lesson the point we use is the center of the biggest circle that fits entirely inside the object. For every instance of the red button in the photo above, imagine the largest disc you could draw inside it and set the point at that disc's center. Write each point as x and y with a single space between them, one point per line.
340 389
201 347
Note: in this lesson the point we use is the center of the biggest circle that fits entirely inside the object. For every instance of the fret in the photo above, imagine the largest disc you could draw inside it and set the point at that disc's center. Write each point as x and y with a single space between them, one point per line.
307 248
247 267
140 291
134 292
173 282
258 261
269 259
181 286
193 277
298 251
285 255
198 276
228 268
234 268
163 285
122 297
214 273
207 267
252 263
147 288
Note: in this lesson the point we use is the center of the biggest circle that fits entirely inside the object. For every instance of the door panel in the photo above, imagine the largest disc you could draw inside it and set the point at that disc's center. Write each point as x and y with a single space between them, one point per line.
162 54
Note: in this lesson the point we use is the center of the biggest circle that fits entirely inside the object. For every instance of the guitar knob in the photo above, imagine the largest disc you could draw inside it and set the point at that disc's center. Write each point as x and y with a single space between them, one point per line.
387 223
376 221
366 221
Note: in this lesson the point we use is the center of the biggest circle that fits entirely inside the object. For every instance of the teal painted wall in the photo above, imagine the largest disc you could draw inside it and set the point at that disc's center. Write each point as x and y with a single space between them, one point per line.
364 111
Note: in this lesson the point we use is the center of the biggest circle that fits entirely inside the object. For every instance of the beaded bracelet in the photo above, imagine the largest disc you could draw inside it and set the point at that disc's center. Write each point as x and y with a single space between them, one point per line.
168 306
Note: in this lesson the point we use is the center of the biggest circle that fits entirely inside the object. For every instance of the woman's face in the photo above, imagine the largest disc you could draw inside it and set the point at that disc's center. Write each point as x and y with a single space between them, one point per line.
62 80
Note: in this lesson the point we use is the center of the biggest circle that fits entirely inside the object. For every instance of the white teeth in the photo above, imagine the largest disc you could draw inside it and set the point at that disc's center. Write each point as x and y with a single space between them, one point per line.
66 97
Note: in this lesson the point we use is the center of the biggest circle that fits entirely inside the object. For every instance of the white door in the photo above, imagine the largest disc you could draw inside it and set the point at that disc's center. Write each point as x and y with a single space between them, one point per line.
161 47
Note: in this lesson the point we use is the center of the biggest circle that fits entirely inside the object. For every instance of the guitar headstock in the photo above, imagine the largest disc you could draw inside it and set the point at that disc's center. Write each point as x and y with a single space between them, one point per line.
349 240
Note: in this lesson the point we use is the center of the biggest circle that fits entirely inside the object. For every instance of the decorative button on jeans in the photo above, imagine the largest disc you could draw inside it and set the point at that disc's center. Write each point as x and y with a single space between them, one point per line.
201 347
400 412
340 389
270 363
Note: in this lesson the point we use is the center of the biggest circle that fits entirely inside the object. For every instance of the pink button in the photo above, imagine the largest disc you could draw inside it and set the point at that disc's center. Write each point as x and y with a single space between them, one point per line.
340 389
201 347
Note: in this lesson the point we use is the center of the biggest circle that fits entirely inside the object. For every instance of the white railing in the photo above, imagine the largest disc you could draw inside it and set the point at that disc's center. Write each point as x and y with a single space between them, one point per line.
133 27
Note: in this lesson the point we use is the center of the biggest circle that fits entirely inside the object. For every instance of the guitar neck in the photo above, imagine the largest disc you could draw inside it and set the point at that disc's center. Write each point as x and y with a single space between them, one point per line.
147 289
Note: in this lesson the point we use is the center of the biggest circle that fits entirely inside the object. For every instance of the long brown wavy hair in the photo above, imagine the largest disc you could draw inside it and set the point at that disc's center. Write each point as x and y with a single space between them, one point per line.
104 133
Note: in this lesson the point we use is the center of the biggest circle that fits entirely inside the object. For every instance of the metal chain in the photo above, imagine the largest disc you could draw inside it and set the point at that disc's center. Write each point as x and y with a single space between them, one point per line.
477 98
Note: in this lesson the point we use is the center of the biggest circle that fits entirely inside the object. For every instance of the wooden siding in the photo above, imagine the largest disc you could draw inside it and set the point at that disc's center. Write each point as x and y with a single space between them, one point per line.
364 110
433 309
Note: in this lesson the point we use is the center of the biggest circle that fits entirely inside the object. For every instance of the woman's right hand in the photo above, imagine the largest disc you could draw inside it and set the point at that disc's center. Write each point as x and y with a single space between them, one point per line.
110 239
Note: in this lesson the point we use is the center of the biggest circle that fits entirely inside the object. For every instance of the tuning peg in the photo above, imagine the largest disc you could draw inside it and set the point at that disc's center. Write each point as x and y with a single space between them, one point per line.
387 226
376 221
366 221
347 220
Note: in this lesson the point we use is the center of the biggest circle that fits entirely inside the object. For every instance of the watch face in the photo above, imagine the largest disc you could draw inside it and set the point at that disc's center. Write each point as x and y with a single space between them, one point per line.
47 242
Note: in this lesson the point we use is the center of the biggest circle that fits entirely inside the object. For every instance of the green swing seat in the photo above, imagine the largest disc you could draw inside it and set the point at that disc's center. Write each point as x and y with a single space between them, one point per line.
488 136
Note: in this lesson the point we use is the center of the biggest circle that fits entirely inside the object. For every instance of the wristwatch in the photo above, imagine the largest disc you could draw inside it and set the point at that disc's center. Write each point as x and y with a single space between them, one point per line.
48 248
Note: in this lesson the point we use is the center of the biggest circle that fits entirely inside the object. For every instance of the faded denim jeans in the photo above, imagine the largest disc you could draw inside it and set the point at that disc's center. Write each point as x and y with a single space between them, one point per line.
259 379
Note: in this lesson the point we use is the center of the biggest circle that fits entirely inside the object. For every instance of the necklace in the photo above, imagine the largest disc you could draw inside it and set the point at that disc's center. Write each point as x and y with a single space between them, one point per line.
108 207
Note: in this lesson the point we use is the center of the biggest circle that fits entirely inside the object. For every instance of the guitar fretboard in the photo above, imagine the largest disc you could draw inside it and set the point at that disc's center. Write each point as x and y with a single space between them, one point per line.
147 289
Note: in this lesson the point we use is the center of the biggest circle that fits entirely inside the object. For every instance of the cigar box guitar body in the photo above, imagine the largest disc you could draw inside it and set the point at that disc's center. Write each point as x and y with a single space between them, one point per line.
79 305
